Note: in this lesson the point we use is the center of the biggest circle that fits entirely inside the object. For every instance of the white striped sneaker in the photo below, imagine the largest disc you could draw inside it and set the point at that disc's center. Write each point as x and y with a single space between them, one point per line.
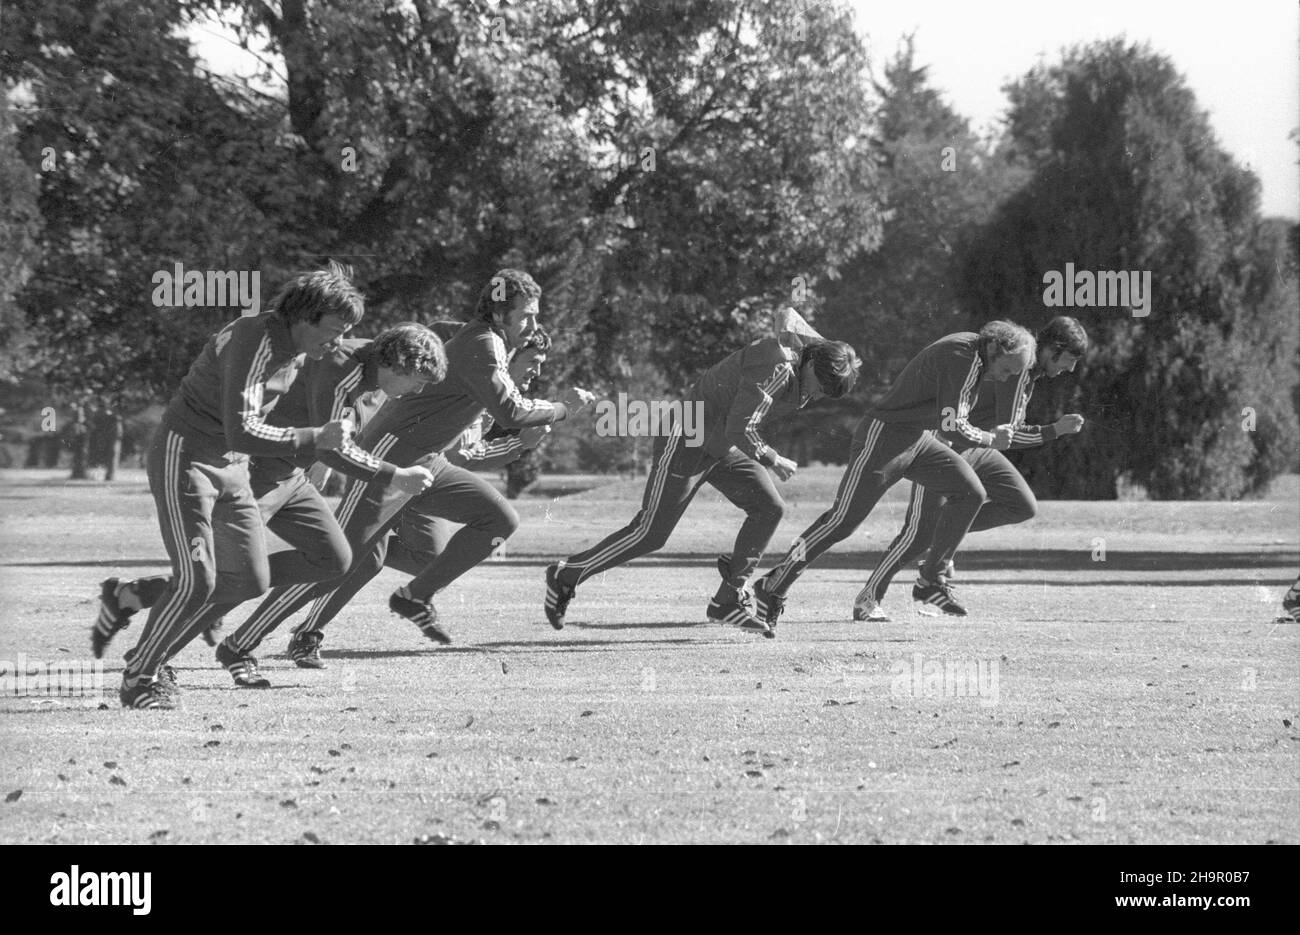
112 617
935 599
242 667
145 693
735 613
868 608
558 595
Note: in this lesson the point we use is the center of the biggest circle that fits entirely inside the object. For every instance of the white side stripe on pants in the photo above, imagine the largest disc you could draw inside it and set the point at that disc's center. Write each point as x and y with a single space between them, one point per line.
183 584
843 497
642 529
894 555
264 621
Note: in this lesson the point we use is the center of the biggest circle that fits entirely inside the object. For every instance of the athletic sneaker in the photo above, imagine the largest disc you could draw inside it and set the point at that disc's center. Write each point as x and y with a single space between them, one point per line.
935 599
146 693
112 617
422 613
304 650
868 608
166 676
737 614
746 592
212 635
558 595
242 667
770 605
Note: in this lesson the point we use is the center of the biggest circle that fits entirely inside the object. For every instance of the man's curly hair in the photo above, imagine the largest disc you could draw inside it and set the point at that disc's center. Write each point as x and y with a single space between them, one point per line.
1064 334
411 349
1005 337
539 340
311 296
499 295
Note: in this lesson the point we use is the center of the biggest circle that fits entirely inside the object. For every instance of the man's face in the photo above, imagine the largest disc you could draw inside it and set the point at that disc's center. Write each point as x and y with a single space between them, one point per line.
526 365
1010 365
395 383
521 322
1055 364
318 340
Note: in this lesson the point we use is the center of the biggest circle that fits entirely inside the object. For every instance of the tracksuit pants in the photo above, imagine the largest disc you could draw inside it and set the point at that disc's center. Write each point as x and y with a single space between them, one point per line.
881 455
1010 501
293 509
213 531
368 512
677 473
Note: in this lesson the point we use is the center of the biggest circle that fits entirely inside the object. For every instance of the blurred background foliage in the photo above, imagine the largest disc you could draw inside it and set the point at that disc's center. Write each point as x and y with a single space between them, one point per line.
670 173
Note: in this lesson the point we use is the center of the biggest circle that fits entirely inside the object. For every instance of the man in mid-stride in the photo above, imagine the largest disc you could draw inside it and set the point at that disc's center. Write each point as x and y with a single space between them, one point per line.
1062 343
768 379
896 440
198 467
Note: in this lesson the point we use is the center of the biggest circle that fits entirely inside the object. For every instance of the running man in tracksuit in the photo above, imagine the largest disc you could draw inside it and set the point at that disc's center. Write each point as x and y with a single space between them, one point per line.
349 383
199 476
419 538
1062 343
896 439
756 385
484 446
416 430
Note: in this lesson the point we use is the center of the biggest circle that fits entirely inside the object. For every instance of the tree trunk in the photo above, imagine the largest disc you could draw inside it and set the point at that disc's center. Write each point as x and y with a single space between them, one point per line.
114 448
80 439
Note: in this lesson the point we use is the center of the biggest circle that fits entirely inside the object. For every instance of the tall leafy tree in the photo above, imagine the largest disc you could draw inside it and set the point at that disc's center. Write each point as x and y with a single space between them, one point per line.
940 182
431 144
1128 176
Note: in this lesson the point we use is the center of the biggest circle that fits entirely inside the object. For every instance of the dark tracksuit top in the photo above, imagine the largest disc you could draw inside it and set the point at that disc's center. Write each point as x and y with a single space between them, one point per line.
937 390
1005 402
341 385
749 388
236 382
430 421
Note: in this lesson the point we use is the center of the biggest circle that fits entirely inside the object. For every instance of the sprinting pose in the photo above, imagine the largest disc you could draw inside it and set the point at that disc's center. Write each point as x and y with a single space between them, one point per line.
349 383
198 468
416 430
419 537
756 385
896 439
1062 343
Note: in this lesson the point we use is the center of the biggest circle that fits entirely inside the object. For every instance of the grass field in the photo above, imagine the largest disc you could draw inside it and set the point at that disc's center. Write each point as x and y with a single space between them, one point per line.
1140 695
